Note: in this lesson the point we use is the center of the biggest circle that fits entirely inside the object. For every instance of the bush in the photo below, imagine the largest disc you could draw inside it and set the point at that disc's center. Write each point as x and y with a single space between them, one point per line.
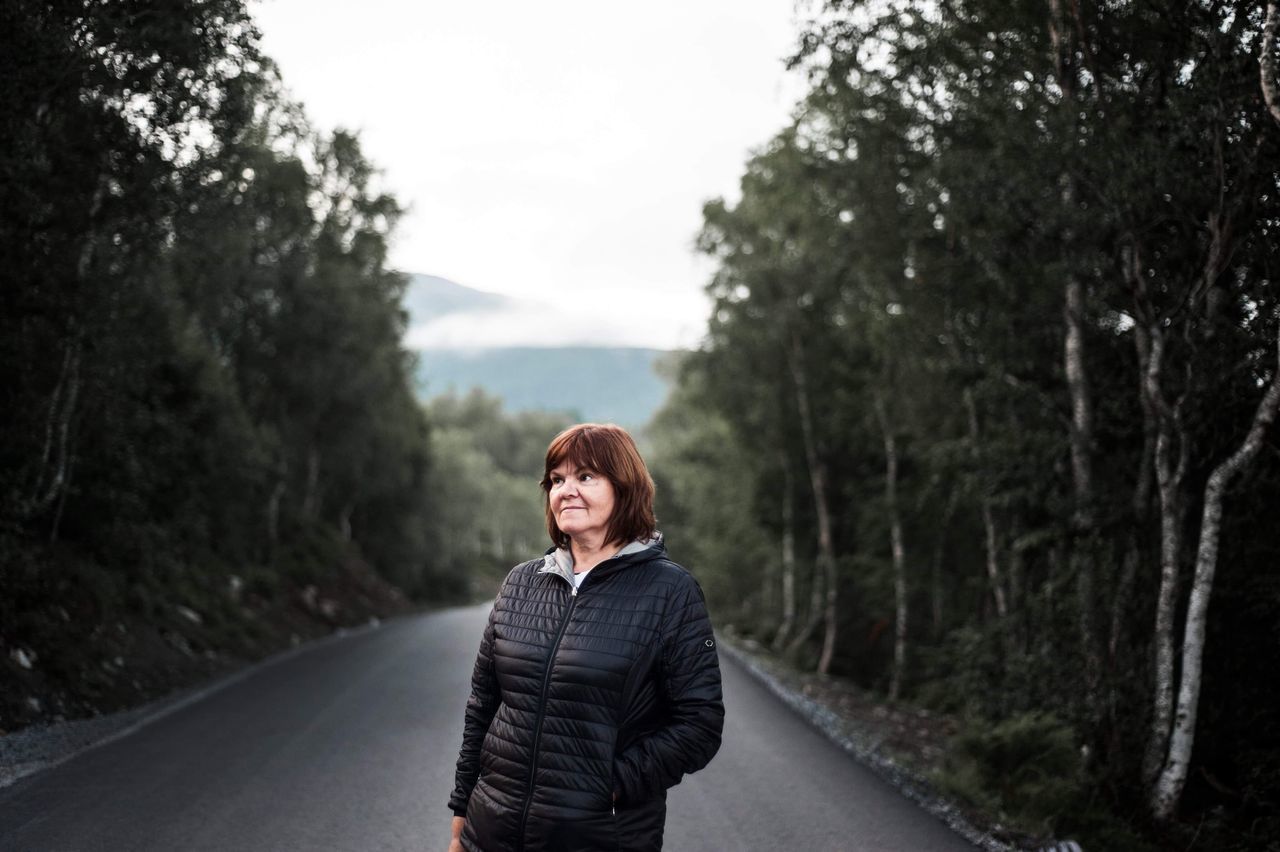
1027 768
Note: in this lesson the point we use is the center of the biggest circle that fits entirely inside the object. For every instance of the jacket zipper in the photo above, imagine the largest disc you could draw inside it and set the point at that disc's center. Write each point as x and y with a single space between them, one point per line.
542 712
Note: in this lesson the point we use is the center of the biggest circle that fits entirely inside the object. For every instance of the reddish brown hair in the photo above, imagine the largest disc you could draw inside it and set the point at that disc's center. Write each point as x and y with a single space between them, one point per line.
609 451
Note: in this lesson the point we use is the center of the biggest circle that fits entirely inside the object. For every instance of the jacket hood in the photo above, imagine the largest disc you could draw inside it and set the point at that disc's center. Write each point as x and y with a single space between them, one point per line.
559 561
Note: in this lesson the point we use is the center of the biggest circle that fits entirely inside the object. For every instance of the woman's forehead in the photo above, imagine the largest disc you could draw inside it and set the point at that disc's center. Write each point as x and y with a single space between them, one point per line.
569 463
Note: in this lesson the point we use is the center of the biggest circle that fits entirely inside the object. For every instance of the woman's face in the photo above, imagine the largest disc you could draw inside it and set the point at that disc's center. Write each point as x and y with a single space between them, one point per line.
581 501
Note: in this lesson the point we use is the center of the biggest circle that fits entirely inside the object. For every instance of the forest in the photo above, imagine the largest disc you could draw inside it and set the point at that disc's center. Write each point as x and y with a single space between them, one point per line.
984 416
211 438
983 421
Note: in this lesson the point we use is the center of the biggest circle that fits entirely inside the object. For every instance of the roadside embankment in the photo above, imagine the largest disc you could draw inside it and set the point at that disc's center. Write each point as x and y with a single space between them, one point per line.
907 746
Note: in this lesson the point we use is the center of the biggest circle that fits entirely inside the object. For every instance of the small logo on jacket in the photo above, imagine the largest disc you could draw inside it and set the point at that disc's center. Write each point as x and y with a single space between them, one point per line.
710 643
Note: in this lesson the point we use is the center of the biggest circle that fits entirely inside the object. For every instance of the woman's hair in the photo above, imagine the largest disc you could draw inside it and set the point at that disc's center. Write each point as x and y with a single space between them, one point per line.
609 451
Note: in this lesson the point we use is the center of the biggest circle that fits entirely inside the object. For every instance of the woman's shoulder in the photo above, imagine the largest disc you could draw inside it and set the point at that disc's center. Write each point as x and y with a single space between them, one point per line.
522 573
671 574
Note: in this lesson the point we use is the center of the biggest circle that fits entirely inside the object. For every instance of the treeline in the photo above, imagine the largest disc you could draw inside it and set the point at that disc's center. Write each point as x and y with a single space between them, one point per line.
487 466
984 416
202 377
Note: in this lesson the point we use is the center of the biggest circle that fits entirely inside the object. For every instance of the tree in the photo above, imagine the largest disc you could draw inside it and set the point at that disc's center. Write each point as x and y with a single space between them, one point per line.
1017 262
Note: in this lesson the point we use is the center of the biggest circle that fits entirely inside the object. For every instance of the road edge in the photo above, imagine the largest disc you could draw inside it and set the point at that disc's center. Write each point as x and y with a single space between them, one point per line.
55 744
908 783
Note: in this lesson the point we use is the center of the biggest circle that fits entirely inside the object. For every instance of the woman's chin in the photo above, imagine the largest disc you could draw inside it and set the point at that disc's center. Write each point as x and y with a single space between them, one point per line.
578 532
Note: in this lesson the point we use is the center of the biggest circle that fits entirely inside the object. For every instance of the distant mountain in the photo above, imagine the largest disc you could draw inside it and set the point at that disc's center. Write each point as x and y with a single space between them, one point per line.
595 383
430 297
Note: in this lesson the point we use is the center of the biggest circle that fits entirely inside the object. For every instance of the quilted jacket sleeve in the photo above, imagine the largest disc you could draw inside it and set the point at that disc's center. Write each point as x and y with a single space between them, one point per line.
481 707
690 680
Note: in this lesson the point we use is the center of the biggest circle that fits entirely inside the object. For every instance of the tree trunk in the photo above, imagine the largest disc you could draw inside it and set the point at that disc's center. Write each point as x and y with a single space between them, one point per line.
344 523
935 568
62 500
1140 505
788 558
1082 516
826 563
1067 55
897 548
1015 581
988 520
813 614
1267 61
273 505
311 493
1169 478
1168 788
33 503
1081 433
1132 561
991 540
52 475
1124 593
55 457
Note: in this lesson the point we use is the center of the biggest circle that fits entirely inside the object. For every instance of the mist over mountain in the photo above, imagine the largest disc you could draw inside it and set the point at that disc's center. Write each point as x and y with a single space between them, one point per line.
595 383
430 297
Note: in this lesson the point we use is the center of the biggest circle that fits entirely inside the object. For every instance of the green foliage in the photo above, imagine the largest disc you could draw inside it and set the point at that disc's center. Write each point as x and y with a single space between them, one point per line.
485 476
706 503
1027 768
904 245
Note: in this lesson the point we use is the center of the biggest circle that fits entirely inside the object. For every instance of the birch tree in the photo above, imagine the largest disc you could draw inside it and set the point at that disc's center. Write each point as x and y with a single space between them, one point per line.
1167 787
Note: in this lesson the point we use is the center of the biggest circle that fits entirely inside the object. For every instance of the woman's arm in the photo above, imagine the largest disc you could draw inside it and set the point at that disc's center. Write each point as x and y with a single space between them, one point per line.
690 679
481 707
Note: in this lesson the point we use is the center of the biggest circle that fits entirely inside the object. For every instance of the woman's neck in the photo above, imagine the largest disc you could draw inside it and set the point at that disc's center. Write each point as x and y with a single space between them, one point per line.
588 553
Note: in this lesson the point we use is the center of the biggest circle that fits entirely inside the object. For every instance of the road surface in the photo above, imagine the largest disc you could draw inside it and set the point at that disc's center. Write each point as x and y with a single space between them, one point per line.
350 745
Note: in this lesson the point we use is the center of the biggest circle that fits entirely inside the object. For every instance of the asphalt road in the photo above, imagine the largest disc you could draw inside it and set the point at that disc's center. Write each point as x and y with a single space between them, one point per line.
350 745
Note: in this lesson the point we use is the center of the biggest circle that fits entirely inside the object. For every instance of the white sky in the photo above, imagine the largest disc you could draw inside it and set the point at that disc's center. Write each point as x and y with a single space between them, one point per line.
556 152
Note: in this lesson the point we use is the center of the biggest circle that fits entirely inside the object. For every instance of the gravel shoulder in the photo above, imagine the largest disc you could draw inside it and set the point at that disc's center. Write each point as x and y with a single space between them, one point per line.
902 744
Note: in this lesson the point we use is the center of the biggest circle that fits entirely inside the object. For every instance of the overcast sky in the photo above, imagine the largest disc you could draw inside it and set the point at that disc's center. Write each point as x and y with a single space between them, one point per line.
555 152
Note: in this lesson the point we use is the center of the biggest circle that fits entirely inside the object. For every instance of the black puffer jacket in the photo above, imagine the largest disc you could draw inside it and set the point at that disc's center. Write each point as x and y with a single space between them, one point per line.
576 695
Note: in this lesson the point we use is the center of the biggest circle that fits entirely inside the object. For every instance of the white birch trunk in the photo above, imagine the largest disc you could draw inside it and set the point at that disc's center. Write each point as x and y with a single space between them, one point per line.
55 466
52 476
1168 788
62 500
994 577
1267 61
826 563
788 560
50 426
1082 519
1081 407
813 613
1169 478
898 550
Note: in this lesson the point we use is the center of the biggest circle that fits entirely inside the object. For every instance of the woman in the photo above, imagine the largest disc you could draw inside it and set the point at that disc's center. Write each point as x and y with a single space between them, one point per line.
597 684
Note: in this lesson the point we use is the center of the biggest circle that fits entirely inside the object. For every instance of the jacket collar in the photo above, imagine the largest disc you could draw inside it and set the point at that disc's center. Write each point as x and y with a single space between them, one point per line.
559 561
